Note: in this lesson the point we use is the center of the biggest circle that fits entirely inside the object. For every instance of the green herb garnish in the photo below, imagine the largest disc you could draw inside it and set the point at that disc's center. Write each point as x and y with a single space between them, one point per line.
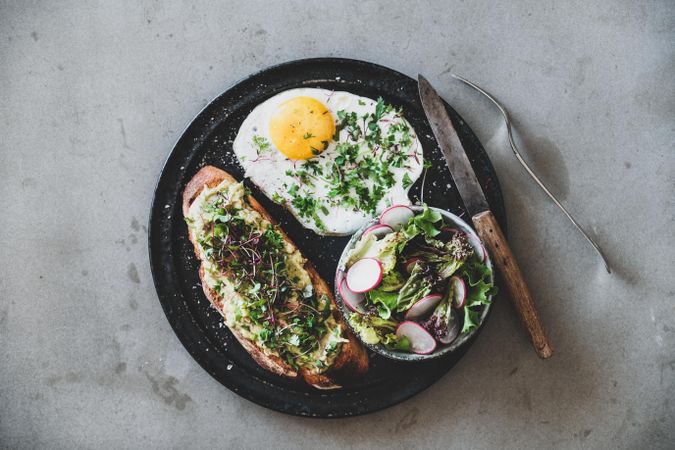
261 144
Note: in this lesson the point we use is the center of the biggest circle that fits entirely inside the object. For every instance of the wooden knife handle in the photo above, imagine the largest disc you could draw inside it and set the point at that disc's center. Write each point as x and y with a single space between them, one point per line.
490 233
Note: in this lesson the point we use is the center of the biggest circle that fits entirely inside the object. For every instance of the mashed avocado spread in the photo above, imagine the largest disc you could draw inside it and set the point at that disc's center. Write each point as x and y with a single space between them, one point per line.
268 296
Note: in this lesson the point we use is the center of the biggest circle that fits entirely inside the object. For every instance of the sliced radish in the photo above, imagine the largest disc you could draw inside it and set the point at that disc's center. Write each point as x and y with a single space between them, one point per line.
378 230
421 341
352 300
396 216
450 230
477 246
423 307
364 275
457 291
410 263
339 276
452 331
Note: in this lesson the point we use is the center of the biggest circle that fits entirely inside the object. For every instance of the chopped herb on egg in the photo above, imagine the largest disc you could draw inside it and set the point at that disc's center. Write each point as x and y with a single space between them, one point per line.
307 205
261 144
407 182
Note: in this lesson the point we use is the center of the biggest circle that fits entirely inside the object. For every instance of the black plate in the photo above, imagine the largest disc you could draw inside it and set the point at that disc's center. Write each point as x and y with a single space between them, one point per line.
208 140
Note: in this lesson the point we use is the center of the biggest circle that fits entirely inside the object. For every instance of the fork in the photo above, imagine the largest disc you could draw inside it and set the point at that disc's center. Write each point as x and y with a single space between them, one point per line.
527 168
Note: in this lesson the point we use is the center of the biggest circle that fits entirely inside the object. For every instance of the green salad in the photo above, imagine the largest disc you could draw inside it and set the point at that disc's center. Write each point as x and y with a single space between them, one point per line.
414 281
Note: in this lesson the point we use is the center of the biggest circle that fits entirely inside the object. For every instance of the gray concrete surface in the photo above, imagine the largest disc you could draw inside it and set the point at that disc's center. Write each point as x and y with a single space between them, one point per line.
94 94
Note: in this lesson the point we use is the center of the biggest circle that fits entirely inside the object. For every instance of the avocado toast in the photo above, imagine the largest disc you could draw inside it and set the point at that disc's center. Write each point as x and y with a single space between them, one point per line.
272 299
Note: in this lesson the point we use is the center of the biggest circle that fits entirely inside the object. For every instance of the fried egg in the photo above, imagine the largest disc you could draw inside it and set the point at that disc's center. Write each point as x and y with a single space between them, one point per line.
332 158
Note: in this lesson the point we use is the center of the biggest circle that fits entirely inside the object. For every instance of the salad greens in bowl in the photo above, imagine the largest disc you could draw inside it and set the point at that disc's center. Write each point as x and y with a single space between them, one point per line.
415 284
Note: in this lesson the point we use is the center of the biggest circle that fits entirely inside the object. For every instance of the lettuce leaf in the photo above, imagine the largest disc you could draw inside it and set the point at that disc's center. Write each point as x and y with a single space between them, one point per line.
443 322
385 250
448 257
372 329
392 281
367 333
384 301
363 247
393 342
423 224
479 287
416 287
447 268
471 319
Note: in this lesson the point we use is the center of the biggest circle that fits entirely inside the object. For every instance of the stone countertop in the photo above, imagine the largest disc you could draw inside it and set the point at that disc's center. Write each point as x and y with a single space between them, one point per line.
92 98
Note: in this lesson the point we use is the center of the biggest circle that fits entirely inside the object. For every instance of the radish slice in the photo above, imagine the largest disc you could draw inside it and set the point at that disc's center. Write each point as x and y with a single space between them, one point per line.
364 275
352 300
457 291
378 230
477 246
453 329
482 249
450 230
421 341
423 307
339 276
396 216
410 263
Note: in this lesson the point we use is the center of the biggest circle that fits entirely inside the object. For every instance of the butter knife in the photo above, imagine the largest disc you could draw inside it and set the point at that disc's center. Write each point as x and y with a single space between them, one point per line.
483 220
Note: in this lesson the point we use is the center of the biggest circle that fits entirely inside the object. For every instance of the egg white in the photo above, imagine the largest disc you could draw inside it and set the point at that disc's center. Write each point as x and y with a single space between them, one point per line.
268 170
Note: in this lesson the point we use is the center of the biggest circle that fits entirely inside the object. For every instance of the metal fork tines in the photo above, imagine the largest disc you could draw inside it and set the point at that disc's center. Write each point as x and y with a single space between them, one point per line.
531 173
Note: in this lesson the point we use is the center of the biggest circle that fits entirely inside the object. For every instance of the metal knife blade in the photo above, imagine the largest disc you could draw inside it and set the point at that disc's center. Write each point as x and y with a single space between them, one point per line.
455 156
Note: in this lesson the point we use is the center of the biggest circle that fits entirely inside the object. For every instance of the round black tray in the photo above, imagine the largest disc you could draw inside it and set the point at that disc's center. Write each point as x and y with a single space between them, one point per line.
208 141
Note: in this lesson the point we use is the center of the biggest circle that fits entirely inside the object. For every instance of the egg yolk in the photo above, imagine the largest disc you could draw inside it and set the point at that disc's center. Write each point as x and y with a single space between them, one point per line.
302 128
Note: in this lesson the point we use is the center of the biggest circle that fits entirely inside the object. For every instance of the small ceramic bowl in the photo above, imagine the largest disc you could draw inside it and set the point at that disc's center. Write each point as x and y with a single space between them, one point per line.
441 350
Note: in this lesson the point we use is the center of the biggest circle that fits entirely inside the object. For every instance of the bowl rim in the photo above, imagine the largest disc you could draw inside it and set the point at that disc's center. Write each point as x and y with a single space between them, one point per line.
441 350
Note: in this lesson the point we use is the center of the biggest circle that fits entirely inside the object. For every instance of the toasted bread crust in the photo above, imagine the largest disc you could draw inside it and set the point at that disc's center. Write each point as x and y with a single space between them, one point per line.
350 363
